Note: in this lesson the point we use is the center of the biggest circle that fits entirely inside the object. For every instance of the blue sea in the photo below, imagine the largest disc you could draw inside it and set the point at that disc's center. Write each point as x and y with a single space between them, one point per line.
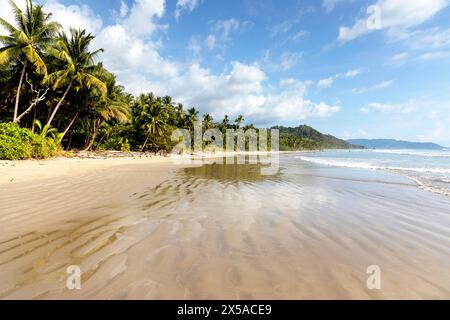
430 170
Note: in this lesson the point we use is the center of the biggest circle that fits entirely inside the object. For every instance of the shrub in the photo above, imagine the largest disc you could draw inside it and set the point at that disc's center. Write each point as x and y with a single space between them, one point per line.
18 143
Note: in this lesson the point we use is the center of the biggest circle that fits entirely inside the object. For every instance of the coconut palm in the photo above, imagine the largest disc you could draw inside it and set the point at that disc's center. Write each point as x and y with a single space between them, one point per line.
192 117
25 43
153 117
75 66
157 123
179 115
114 107
167 100
239 121
226 122
208 121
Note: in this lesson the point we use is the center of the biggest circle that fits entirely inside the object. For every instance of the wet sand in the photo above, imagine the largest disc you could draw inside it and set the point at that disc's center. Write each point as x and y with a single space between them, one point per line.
152 230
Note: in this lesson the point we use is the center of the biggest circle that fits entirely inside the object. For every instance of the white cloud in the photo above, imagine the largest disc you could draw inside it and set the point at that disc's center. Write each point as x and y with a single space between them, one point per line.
220 33
195 45
439 131
222 30
210 42
298 35
437 55
242 91
353 73
124 9
289 60
286 61
397 60
406 107
185 5
395 14
433 38
75 16
140 20
326 83
378 86
423 45
329 5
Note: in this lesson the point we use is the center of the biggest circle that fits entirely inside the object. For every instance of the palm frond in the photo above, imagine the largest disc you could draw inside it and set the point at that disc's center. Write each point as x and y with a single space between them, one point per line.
7 54
7 40
91 81
9 27
35 58
19 17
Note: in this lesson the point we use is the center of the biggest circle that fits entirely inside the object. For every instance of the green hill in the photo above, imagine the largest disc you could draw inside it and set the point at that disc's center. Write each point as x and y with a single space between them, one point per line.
307 138
395 144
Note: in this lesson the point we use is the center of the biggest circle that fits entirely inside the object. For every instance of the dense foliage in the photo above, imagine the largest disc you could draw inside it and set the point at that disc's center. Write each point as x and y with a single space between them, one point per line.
52 77
18 143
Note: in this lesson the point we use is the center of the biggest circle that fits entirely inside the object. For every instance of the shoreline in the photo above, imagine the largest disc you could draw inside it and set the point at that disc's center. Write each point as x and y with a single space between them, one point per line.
30 170
83 162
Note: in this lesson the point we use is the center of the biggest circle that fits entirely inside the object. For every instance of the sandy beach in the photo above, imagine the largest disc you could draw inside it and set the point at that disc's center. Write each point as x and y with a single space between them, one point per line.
148 229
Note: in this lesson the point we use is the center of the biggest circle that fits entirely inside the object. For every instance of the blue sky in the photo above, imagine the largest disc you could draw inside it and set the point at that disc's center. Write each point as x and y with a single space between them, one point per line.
284 62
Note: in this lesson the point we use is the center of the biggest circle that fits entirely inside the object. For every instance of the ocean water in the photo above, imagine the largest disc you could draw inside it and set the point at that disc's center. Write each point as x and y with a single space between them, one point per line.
430 170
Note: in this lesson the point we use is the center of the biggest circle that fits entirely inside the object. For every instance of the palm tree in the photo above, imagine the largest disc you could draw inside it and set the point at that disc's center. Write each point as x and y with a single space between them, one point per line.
226 122
192 117
75 66
157 119
208 121
179 115
167 100
239 121
114 107
25 43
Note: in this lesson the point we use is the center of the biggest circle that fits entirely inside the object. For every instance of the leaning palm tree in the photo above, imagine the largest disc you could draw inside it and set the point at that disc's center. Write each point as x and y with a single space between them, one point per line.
75 66
25 43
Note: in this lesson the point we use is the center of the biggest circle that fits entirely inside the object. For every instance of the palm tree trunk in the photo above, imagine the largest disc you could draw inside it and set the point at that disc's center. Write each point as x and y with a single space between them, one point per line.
145 143
70 141
34 120
19 88
94 135
68 127
59 104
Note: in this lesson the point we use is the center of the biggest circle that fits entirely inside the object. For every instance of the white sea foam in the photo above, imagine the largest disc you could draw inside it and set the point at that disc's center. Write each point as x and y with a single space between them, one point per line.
370 166
443 154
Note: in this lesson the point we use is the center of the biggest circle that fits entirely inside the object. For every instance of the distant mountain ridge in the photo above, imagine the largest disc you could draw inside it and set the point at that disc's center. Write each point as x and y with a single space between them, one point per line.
306 137
394 144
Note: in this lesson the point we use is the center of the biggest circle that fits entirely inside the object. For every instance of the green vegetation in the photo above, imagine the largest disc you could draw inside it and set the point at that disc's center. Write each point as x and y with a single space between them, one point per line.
307 138
59 96
18 143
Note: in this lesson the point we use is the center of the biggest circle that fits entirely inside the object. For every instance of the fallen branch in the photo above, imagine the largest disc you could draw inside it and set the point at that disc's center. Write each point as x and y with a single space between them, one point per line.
39 98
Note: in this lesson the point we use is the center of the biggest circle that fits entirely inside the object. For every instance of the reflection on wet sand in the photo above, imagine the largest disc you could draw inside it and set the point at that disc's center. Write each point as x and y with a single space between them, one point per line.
242 169
226 232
